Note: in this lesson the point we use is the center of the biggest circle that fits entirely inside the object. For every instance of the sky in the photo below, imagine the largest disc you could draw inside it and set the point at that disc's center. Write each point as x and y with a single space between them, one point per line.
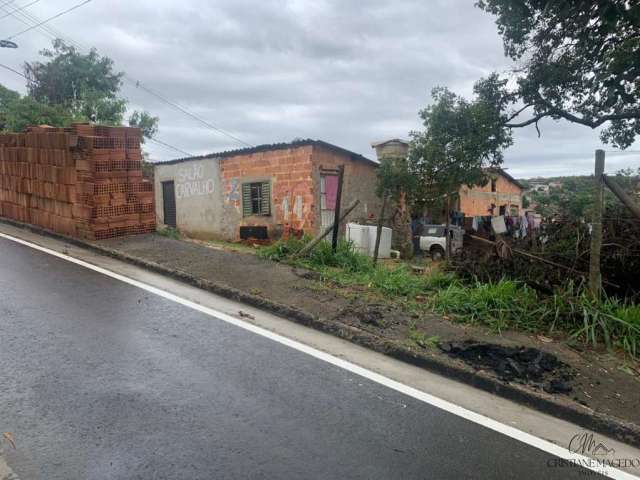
348 72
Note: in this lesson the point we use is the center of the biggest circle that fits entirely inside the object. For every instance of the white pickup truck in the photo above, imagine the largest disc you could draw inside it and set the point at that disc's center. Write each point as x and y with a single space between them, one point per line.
434 242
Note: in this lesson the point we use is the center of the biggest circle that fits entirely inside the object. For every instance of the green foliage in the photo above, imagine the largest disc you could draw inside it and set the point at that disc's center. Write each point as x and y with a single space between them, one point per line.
503 304
510 304
282 249
500 305
394 177
169 232
574 199
460 140
611 321
85 85
423 340
577 61
69 86
147 123
27 111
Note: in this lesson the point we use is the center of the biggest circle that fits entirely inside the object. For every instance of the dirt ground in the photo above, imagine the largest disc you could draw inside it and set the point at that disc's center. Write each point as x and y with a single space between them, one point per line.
590 380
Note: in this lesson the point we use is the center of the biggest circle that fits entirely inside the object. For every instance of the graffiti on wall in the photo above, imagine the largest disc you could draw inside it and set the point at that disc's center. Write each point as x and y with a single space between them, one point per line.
191 182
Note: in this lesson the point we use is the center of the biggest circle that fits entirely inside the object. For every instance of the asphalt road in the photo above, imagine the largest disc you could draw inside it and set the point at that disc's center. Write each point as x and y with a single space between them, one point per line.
99 379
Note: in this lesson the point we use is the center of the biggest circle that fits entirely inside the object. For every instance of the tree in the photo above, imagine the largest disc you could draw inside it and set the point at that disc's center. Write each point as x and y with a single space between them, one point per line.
397 183
17 113
576 60
147 124
7 97
85 85
461 140
70 86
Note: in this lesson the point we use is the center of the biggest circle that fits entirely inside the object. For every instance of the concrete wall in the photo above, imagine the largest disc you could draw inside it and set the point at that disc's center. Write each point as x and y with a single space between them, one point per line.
199 196
476 201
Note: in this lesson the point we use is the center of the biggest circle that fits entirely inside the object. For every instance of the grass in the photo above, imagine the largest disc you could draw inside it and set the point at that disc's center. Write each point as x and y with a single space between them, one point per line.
169 232
506 304
500 305
347 267
423 340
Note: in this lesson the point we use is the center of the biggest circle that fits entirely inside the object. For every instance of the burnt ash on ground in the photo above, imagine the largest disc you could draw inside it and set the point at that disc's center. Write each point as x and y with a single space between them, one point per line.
515 364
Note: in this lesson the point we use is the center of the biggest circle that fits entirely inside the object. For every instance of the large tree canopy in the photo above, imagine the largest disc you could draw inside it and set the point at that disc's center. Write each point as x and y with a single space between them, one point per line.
461 140
577 60
85 85
17 113
70 86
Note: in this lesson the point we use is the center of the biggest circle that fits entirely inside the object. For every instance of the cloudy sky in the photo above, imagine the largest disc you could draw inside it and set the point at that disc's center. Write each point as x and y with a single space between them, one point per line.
345 71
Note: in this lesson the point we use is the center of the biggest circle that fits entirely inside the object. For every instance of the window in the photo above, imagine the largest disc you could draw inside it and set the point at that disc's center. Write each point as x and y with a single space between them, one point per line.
256 199
493 185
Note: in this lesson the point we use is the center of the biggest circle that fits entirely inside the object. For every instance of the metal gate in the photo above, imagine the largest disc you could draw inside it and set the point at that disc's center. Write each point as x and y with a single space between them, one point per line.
169 203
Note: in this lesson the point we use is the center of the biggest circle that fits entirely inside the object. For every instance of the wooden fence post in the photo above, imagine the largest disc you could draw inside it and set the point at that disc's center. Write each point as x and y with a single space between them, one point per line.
376 250
595 277
336 222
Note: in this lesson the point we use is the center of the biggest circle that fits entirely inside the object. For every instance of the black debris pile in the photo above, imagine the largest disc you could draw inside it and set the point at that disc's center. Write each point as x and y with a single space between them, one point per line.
515 364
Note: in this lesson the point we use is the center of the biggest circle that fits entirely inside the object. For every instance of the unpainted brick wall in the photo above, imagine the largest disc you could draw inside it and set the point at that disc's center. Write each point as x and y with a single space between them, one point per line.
84 181
290 173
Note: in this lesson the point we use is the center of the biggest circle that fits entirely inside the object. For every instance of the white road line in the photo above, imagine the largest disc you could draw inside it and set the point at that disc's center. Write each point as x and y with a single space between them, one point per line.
544 445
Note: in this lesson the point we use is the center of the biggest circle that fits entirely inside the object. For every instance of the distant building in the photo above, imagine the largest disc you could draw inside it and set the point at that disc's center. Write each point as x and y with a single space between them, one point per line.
263 191
539 187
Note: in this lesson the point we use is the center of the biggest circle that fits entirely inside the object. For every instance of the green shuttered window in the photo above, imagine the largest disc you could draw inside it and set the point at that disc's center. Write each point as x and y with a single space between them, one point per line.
256 199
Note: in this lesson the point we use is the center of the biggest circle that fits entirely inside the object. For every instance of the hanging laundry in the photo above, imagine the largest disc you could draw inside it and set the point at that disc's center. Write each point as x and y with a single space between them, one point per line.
524 224
475 225
498 225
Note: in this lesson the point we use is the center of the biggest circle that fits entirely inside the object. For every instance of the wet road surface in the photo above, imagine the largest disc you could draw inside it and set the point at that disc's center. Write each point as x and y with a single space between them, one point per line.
99 379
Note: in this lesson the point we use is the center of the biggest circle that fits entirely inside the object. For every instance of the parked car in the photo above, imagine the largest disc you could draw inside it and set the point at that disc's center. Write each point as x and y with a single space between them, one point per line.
434 242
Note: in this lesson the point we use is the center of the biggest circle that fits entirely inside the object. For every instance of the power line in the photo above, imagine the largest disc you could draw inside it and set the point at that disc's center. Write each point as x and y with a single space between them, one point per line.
42 29
52 33
159 142
49 19
12 70
186 112
18 9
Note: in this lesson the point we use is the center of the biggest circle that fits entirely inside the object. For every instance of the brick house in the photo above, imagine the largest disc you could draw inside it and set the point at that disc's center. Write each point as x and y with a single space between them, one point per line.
263 191
502 192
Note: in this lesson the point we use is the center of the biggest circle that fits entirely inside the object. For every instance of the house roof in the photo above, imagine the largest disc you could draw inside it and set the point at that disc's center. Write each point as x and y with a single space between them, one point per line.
504 173
275 146
391 140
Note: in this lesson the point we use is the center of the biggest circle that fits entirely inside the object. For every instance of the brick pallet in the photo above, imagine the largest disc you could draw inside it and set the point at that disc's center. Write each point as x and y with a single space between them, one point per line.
84 181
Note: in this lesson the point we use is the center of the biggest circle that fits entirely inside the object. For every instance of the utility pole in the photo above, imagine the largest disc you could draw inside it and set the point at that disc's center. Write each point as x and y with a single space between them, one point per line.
336 222
595 276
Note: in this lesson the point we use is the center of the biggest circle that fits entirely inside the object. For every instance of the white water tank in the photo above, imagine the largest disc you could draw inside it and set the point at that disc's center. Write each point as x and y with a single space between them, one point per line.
384 250
363 238
358 235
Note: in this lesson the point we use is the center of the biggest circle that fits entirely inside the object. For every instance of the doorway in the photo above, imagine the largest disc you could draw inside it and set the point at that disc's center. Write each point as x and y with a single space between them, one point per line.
169 203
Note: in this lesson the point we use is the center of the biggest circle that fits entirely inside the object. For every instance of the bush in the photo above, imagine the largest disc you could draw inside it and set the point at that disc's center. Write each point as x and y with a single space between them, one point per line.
500 305
511 304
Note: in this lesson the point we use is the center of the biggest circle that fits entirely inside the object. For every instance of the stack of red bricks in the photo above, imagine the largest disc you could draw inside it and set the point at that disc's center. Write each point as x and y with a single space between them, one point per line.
83 181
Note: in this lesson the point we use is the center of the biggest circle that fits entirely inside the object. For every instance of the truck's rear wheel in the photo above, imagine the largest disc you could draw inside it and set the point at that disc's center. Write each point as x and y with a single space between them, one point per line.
437 253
